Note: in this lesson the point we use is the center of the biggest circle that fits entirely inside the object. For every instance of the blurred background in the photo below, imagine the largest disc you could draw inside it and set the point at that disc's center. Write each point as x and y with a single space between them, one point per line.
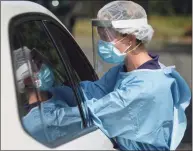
171 20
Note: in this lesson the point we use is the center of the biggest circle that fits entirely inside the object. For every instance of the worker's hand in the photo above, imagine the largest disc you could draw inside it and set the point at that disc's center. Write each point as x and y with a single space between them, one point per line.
22 72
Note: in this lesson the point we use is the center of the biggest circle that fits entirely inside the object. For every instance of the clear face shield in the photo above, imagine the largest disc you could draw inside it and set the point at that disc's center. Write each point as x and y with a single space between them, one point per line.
110 47
105 40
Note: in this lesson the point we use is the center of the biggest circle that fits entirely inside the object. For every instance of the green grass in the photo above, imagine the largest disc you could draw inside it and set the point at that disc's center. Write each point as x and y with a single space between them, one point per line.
171 26
83 27
164 26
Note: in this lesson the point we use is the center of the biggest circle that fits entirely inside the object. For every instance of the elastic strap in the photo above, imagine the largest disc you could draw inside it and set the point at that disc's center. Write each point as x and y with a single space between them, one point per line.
133 48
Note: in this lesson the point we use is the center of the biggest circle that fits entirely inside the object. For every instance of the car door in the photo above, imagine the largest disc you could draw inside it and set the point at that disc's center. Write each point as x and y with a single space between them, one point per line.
35 32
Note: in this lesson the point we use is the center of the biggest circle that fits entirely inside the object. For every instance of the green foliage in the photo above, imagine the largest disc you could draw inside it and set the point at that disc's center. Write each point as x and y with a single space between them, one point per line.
170 26
160 7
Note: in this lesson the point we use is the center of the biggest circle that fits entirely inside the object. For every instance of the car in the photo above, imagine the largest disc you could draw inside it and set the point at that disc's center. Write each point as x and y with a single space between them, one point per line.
29 25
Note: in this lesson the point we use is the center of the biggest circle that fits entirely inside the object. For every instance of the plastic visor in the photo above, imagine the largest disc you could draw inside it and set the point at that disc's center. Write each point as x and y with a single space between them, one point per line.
101 30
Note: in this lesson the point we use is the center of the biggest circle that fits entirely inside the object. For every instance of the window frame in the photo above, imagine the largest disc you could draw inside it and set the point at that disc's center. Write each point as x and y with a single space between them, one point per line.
74 75
93 76
27 17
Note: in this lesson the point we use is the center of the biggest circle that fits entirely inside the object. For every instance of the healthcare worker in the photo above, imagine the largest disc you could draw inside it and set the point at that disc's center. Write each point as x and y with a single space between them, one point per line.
139 103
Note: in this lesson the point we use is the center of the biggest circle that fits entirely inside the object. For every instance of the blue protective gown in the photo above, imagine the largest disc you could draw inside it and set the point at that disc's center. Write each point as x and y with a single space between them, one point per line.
54 118
140 110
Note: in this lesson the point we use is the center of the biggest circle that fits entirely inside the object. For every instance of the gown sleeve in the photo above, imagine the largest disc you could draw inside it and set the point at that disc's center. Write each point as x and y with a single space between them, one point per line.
101 87
130 113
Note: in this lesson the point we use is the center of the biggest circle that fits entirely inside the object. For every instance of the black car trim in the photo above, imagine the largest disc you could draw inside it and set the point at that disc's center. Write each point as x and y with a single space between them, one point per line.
71 79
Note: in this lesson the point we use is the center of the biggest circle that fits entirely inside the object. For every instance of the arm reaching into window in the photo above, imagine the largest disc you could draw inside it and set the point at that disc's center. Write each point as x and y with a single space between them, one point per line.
103 86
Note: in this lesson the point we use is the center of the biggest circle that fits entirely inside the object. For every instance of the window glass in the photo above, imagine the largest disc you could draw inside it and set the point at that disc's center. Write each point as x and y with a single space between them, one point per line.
76 57
51 107
77 63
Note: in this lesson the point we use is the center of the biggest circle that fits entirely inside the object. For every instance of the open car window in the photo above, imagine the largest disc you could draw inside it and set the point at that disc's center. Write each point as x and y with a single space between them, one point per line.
49 107
75 59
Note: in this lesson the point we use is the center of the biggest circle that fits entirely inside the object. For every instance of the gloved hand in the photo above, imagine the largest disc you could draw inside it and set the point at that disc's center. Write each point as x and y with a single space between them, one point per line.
22 65
21 74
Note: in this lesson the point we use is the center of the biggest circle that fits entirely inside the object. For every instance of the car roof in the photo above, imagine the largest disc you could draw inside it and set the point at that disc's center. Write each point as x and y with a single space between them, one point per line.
10 9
